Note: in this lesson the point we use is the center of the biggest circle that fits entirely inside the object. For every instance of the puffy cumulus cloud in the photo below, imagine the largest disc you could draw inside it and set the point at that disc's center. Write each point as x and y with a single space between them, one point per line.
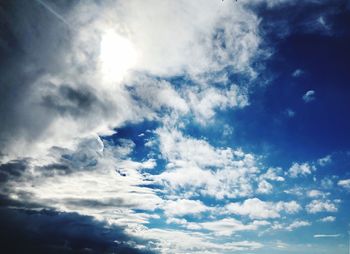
264 187
303 169
183 207
199 168
317 206
273 174
258 209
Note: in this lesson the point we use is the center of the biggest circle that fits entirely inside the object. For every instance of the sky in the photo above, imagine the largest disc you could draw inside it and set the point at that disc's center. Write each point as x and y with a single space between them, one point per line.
172 127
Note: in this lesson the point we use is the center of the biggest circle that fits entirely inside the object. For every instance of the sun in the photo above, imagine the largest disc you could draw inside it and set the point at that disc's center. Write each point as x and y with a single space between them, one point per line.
117 56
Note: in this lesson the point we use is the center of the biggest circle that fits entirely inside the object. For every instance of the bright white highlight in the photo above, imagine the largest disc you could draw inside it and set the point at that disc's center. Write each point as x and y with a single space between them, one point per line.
117 56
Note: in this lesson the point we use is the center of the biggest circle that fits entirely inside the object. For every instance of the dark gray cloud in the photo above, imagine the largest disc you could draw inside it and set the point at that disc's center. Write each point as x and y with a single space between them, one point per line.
12 170
48 231
28 35
67 100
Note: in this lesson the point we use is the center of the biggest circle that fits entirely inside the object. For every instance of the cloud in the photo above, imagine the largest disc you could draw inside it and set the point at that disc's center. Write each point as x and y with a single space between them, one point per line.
205 102
289 112
257 209
309 96
273 174
183 207
297 73
325 160
197 167
50 91
48 231
264 187
328 219
297 170
297 224
317 206
316 193
177 241
327 236
227 226
96 180
66 86
345 183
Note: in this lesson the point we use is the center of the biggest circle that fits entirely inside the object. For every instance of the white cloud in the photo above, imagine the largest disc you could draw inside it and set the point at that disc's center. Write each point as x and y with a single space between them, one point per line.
182 242
317 206
325 160
316 193
199 168
273 174
228 226
300 169
257 209
309 96
297 224
96 183
297 191
297 73
345 183
290 207
167 41
183 207
172 41
205 101
328 219
264 187
327 236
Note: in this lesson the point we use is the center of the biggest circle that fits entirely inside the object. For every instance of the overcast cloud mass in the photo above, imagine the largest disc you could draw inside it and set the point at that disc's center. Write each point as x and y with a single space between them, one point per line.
173 127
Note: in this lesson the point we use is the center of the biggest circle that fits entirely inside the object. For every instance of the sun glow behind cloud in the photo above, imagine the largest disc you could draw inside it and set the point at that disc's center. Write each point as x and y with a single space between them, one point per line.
117 56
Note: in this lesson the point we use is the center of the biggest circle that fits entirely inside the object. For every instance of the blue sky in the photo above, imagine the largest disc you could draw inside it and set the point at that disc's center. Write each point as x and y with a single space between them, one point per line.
175 126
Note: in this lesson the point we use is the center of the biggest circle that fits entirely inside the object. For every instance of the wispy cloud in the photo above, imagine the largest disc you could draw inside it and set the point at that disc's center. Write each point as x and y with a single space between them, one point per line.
327 236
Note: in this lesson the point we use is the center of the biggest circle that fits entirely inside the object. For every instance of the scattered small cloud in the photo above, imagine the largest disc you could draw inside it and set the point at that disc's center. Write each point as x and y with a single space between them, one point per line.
303 169
309 96
325 160
297 73
317 206
289 113
316 193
